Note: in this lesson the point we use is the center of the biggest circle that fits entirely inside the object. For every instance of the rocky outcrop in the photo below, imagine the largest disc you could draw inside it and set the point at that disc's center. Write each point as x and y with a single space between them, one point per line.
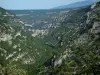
96 28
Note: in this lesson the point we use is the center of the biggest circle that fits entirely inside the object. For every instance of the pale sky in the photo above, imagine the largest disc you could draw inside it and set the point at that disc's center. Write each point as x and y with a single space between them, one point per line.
34 4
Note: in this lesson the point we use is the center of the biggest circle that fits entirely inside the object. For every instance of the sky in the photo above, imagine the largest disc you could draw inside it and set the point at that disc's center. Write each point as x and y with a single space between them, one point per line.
34 4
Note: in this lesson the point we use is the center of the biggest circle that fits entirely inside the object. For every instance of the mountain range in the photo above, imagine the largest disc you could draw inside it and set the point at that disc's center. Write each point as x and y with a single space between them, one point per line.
76 4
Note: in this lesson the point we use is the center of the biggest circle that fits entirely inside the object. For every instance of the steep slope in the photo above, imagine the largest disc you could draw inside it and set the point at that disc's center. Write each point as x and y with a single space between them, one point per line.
18 46
9 29
82 56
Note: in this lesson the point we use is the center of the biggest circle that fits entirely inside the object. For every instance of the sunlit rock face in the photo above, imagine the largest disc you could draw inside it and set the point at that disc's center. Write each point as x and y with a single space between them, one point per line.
93 6
39 32
96 28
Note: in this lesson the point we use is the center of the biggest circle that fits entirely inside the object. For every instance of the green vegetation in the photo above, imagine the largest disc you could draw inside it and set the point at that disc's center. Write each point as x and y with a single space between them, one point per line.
71 47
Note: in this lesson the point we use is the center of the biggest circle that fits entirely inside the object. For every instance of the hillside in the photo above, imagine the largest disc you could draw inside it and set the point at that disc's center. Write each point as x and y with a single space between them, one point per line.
82 54
50 42
18 47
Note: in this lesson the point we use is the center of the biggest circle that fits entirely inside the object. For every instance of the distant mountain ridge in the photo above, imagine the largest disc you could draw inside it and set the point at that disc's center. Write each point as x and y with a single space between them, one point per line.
76 4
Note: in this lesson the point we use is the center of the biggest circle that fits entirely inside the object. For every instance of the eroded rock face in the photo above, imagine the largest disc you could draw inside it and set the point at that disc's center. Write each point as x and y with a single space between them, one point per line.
96 28
93 6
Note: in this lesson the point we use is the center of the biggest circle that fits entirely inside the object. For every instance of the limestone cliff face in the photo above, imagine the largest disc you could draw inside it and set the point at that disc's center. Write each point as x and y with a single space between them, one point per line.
93 20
